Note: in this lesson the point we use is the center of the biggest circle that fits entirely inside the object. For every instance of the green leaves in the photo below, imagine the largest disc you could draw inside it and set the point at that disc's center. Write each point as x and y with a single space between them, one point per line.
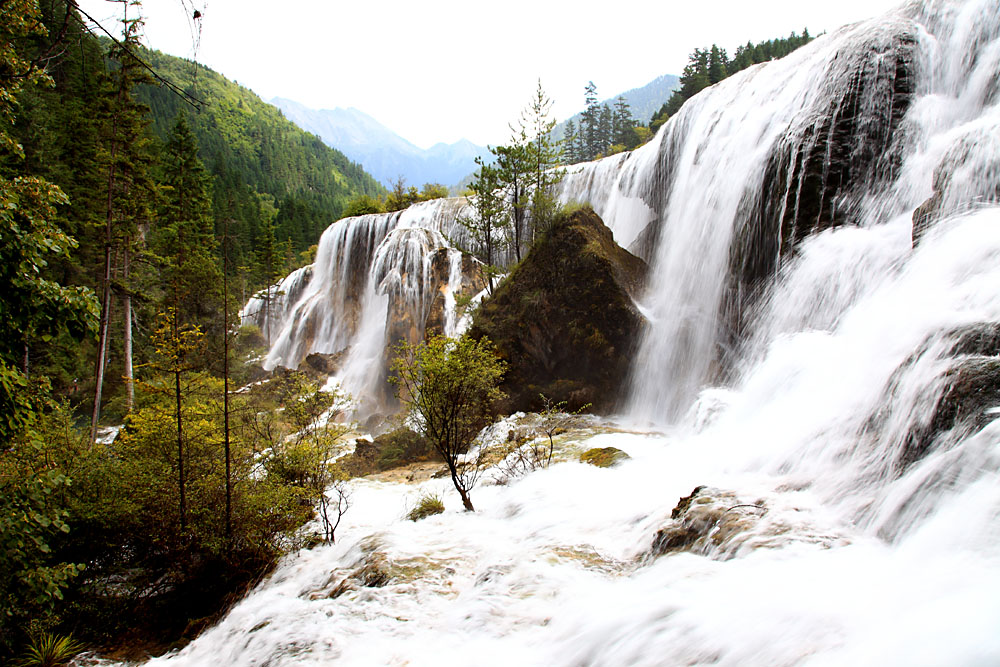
451 388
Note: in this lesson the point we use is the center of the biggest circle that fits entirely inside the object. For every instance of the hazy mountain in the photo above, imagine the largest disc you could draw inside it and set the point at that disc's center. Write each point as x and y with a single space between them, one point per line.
382 152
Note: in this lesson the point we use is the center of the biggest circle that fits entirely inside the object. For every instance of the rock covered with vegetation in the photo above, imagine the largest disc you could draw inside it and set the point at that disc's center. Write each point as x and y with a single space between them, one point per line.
565 320
604 457
390 450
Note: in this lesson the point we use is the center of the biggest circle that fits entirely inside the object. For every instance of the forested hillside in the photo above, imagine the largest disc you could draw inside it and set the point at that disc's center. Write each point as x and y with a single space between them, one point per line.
257 157
142 199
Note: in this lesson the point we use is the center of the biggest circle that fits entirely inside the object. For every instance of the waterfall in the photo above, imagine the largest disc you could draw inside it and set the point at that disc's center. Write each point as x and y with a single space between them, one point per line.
741 174
371 286
824 238
268 309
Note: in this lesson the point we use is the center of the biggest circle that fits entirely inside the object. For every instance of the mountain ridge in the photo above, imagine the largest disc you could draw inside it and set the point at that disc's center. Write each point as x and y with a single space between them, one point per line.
382 152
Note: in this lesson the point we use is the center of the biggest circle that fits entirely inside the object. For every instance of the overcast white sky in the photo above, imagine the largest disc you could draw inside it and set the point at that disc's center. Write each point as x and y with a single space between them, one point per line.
442 70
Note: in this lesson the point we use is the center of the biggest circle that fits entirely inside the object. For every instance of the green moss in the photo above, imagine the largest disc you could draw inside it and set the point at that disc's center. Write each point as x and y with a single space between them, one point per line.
389 450
564 320
604 457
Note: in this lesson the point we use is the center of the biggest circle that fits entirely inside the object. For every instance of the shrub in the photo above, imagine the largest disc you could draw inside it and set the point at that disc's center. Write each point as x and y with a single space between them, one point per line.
428 505
49 650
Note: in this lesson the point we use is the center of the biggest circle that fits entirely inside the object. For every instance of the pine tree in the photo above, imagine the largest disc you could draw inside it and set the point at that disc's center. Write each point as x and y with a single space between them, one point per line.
569 155
623 123
544 155
126 154
589 130
488 222
604 131
513 165
185 238
717 64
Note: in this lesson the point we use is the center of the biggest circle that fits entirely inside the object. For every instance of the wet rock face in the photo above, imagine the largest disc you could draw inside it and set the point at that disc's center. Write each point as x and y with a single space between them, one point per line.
471 283
851 147
972 391
705 520
960 404
564 320
977 151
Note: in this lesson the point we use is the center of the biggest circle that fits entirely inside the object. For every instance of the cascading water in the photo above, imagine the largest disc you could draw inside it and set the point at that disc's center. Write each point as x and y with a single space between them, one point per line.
268 309
868 529
752 163
372 284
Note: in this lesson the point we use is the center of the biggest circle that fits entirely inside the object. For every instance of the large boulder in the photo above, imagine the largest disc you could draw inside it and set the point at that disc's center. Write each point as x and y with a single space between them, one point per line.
565 320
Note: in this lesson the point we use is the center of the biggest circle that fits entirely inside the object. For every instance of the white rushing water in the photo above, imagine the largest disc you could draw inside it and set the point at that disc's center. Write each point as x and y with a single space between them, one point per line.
865 551
370 270
698 185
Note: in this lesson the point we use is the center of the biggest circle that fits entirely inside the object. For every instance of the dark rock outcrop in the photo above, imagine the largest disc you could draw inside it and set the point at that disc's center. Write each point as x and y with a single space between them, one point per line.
564 320
972 391
851 146
818 168
962 403
321 366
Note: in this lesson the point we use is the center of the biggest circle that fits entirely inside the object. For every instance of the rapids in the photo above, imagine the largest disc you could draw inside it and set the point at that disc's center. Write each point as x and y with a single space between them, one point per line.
863 554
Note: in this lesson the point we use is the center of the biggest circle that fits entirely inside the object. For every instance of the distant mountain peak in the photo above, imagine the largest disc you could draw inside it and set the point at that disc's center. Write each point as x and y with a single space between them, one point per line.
383 153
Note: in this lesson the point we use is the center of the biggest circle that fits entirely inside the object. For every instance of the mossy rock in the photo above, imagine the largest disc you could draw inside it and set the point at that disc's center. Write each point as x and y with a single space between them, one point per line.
565 320
604 457
388 451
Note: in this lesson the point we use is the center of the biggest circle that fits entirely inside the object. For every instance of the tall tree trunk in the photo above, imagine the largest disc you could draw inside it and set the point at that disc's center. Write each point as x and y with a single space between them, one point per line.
180 448
225 381
102 340
267 314
518 217
127 335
